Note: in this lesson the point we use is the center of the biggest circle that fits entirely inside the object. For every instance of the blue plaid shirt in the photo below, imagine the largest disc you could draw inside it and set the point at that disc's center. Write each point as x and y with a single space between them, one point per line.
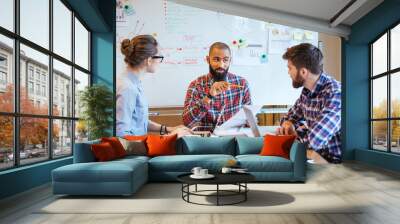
316 116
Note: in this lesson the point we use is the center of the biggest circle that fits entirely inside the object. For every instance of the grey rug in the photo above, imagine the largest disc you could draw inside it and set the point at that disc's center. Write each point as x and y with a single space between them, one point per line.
166 198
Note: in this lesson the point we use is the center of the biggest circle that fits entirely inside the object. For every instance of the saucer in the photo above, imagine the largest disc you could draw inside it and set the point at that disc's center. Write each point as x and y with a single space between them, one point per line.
208 176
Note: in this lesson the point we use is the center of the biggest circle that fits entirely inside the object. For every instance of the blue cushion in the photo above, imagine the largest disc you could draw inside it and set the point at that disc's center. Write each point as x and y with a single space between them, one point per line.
119 177
249 145
199 145
257 163
112 171
185 163
83 153
133 157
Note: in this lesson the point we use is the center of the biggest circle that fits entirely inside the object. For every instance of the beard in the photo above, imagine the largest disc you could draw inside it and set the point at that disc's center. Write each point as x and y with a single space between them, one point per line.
297 82
218 74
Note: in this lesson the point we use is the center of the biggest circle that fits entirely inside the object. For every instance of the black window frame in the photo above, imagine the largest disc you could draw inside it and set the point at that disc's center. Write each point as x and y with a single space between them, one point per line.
388 74
16 114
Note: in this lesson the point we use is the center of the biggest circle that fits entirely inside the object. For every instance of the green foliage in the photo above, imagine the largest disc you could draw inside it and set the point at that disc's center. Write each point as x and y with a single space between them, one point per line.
96 102
380 127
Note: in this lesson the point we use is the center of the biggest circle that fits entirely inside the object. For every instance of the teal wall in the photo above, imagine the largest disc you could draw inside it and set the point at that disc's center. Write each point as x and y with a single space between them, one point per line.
103 64
99 17
356 85
103 51
24 178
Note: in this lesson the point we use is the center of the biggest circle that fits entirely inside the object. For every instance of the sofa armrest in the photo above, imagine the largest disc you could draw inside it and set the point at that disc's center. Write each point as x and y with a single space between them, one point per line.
298 157
83 152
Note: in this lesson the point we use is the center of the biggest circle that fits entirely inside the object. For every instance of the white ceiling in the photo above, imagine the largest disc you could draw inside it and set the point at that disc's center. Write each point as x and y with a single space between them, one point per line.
314 15
319 9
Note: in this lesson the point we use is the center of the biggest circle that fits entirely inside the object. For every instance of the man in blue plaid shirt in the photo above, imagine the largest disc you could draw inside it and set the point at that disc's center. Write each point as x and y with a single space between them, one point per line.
315 117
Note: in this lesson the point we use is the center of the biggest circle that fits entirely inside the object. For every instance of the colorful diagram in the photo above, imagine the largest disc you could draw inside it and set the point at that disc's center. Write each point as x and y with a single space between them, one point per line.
124 8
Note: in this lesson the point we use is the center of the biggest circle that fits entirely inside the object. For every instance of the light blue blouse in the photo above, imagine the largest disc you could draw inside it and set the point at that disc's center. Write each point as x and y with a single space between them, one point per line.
132 107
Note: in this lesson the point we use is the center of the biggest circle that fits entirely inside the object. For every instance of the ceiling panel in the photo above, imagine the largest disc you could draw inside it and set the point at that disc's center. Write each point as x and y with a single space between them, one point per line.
319 9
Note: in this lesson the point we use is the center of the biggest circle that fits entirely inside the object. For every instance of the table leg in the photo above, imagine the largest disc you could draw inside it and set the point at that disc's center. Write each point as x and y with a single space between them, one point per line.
188 190
245 192
182 190
217 194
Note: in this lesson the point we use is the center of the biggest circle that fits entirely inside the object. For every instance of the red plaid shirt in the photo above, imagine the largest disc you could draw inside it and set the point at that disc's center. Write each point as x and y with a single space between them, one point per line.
221 107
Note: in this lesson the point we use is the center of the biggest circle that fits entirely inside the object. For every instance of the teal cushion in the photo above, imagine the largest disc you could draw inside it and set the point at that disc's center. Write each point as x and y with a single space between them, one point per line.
199 145
185 163
111 171
83 152
133 157
249 145
257 163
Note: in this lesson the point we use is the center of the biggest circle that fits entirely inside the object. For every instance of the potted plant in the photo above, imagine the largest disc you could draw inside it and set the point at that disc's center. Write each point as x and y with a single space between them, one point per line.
96 102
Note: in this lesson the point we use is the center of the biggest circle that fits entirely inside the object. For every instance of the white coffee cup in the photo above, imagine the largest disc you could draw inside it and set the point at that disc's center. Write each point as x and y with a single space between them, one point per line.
196 171
203 172
226 170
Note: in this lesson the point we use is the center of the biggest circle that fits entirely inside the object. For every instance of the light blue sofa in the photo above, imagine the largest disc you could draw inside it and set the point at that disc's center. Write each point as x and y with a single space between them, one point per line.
125 176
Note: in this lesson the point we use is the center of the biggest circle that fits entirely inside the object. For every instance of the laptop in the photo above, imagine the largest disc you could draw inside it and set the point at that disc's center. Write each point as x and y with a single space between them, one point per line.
257 131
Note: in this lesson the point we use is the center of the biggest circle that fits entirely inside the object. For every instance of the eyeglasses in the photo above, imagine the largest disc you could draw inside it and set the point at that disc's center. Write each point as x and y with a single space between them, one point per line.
158 56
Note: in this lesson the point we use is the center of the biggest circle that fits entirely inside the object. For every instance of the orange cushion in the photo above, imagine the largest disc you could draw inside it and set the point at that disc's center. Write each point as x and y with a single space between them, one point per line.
116 145
135 137
103 152
161 145
277 145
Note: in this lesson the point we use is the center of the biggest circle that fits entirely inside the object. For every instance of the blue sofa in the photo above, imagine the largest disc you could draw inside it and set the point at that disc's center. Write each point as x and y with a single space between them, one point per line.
125 176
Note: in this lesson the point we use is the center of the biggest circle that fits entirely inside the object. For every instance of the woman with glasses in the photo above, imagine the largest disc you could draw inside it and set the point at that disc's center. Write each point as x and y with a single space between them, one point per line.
141 57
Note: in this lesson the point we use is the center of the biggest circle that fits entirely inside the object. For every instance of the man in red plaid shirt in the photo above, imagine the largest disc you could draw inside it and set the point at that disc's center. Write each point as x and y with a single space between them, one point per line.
215 97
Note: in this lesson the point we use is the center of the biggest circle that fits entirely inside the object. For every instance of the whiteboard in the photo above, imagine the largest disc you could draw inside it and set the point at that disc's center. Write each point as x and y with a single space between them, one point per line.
185 34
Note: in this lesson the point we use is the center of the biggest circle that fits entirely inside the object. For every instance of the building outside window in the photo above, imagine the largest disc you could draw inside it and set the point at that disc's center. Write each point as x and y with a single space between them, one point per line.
385 95
59 134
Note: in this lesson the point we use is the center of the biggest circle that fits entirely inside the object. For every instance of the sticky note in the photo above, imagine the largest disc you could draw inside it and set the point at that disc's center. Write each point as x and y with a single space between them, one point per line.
309 35
263 58
298 36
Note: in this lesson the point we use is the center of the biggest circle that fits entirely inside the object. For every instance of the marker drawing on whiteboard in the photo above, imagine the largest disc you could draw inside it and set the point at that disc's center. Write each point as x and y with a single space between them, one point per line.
141 28
134 30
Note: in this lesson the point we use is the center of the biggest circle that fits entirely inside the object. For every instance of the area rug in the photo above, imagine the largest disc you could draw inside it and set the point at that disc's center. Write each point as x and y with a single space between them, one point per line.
167 198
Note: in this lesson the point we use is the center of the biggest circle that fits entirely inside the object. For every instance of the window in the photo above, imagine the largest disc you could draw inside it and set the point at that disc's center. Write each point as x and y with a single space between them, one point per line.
81 81
7 14
7 89
3 78
38 89
30 87
62 75
62 130
54 125
3 71
37 74
81 45
385 96
35 22
44 91
3 61
6 143
30 72
62 29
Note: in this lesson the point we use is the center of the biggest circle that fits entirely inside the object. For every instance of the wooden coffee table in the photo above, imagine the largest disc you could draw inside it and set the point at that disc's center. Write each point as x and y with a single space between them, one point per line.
238 179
